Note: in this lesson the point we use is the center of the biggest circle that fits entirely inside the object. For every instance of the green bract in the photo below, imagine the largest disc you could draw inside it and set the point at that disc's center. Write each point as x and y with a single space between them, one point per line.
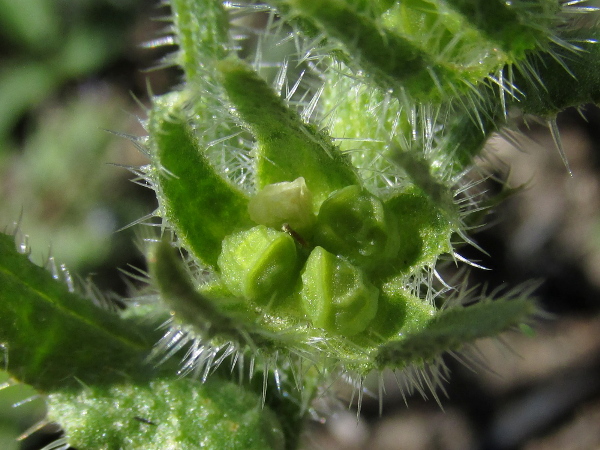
310 175
318 250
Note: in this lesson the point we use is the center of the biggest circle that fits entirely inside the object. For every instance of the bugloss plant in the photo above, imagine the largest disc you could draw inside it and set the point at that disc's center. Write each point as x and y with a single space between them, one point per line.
313 168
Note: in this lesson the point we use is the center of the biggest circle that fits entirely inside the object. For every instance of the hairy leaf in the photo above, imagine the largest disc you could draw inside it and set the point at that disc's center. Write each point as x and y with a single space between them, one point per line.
54 337
166 414
200 204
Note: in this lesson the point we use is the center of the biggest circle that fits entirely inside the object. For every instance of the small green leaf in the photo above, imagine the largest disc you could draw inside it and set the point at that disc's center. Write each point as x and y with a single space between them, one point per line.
287 147
48 331
204 312
453 328
544 89
199 203
202 28
400 52
389 56
517 26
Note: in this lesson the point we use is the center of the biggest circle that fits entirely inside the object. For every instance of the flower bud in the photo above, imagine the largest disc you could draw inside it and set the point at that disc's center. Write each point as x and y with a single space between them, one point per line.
354 223
288 202
336 295
259 264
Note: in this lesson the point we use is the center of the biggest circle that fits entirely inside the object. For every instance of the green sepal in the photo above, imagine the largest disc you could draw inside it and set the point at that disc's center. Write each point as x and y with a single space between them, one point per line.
259 264
212 311
48 331
166 414
544 92
202 34
336 295
393 54
453 328
207 312
366 118
188 304
199 203
516 26
387 55
287 148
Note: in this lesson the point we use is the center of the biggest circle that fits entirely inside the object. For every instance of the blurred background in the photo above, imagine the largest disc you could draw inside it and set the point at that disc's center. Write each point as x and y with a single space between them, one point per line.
74 80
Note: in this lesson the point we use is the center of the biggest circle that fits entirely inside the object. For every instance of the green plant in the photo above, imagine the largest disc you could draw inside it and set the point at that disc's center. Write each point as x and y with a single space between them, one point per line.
310 175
